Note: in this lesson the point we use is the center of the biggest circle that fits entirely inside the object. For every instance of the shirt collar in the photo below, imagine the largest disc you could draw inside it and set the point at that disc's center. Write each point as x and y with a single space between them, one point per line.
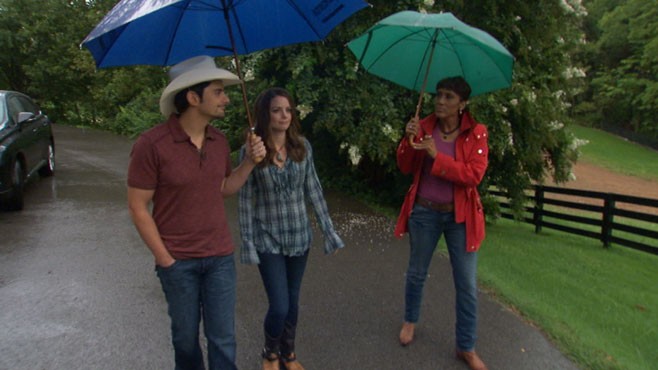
180 135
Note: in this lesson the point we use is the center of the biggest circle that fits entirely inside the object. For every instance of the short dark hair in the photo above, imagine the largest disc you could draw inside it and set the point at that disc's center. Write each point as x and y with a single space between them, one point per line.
457 84
180 100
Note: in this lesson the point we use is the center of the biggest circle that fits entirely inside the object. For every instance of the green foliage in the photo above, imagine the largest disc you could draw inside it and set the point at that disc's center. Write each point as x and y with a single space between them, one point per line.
140 114
354 119
623 54
45 60
47 63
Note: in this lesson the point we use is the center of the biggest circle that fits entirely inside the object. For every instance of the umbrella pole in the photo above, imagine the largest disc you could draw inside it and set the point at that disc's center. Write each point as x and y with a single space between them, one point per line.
237 67
244 91
252 129
242 84
422 89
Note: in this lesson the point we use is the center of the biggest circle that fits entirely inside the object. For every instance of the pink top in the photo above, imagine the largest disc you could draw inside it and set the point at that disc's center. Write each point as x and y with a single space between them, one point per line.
431 187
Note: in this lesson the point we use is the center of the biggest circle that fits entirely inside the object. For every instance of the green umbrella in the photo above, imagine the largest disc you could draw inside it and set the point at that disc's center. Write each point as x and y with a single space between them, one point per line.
413 49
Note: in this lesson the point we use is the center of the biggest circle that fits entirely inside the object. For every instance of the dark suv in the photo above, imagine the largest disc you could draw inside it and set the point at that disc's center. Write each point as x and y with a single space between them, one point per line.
27 146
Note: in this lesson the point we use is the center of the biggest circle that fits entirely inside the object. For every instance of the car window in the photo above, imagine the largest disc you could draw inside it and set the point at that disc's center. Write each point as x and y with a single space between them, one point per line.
27 105
13 108
3 112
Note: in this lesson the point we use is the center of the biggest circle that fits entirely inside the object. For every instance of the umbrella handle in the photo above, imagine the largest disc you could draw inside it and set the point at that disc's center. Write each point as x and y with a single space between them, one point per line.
427 72
418 106
252 134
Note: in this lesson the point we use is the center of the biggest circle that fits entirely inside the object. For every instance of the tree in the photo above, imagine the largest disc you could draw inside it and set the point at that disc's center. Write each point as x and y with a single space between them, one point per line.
355 119
42 34
623 54
12 73
361 116
47 63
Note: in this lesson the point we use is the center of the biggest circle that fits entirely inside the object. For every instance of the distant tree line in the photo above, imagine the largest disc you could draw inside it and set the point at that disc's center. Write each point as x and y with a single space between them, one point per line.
591 62
621 59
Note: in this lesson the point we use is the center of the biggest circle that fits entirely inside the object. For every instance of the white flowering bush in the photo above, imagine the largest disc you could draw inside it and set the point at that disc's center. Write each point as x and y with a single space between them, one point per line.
355 120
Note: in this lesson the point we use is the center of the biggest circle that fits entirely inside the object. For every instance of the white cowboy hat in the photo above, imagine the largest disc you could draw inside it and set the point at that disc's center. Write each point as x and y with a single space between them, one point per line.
189 73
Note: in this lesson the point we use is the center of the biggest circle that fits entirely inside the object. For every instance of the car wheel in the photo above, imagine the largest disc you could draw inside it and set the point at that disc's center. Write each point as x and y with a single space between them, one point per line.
48 169
15 200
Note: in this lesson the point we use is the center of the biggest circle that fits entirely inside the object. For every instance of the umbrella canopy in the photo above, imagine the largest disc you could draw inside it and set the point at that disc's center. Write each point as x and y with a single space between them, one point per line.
165 32
414 49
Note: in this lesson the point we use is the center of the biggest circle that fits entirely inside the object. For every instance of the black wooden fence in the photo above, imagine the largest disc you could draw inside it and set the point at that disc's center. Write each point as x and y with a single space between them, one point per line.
604 216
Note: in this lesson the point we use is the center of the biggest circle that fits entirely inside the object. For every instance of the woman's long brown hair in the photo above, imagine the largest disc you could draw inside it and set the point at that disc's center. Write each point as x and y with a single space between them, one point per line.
294 139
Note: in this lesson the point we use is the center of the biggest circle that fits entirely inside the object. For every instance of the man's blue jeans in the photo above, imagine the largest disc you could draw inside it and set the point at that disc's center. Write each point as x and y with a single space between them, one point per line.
425 228
196 288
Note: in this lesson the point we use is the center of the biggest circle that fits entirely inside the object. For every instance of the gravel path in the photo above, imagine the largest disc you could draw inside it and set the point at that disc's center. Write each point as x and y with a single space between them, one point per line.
591 177
596 178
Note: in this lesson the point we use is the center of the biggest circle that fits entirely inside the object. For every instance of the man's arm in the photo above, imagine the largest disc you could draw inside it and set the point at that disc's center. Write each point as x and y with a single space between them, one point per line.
237 178
138 204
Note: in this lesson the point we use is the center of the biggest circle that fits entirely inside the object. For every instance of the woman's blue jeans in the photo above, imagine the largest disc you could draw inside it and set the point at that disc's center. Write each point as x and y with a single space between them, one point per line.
282 278
425 228
196 288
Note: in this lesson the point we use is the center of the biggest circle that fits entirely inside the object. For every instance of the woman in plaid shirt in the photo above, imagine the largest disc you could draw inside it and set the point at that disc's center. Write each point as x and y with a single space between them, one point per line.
274 225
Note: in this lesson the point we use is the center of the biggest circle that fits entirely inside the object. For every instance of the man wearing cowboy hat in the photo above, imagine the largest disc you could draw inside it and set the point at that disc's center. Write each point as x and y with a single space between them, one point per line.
183 168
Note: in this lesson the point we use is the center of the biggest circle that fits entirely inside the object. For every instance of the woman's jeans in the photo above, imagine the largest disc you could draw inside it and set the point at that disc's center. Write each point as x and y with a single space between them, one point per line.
425 229
196 288
282 278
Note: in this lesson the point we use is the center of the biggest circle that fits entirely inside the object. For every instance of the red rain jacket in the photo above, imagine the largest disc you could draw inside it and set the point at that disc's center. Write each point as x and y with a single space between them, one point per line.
465 171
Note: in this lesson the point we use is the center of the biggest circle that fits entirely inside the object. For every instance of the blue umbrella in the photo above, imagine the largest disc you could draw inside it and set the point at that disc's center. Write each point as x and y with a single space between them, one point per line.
165 32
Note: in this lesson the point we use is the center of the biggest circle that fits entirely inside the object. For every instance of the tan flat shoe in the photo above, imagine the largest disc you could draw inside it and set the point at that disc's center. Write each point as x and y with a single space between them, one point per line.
472 359
290 362
270 361
407 333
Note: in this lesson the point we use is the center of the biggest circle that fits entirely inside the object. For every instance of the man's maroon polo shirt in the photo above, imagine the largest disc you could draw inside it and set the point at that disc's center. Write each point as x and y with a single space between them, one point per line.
188 206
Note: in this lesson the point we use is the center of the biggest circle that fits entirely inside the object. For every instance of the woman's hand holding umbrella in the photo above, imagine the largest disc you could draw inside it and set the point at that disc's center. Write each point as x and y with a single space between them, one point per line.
411 129
426 143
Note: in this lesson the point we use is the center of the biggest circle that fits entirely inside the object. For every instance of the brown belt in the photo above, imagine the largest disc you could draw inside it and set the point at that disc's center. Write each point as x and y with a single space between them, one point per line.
441 207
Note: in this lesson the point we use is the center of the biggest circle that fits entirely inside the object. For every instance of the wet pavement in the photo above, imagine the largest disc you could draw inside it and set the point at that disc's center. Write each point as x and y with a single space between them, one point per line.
78 290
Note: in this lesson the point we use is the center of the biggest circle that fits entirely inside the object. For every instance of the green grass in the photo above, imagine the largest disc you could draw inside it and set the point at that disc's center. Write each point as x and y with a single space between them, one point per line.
600 306
617 154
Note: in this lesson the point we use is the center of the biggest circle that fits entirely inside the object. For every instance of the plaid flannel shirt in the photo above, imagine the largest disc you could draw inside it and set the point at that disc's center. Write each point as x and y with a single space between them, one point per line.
272 210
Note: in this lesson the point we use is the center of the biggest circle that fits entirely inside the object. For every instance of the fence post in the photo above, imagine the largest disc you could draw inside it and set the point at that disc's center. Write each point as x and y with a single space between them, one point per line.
608 218
539 208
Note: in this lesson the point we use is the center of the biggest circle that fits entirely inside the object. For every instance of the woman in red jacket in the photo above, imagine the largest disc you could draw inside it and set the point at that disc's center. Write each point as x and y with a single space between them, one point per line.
447 154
